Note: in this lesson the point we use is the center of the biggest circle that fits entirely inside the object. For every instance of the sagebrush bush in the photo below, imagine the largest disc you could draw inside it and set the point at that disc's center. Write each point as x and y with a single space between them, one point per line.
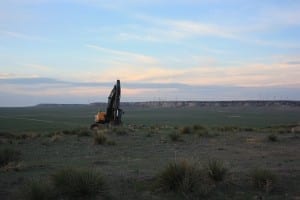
203 133
83 132
216 170
228 129
120 131
184 177
179 176
56 138
272 138
79 183
264 179
37 190
185 130
8 155
99 138
198 127
111 142
174 136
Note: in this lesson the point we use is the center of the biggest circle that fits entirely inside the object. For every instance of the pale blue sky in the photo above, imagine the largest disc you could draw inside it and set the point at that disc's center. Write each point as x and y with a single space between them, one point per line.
234 43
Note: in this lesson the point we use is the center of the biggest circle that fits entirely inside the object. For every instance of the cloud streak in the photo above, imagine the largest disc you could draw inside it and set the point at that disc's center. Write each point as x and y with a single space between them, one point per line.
31 91
21 36
255 74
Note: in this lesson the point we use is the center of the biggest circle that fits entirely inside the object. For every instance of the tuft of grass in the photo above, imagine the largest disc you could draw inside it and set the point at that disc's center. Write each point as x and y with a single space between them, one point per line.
8 155
197 127
175 137
56 137
272 138
228 129
178 176
79 183
8 135
216 170
264 179
121 132
185 178
99 138
37 190
203 133
111 142
83 133
185 130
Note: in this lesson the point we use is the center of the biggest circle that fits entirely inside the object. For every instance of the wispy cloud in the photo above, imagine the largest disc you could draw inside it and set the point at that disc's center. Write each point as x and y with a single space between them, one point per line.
250 75
22 36
140 57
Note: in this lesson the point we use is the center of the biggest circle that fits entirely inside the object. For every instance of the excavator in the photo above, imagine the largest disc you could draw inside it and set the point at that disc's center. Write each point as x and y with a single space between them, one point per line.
113 114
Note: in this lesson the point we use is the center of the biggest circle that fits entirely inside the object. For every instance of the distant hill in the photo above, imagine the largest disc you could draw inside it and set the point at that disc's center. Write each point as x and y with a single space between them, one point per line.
183 104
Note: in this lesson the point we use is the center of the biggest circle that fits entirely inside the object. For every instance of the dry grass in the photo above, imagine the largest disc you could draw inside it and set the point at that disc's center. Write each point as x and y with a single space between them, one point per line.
75 183
8 155
99 138
264 179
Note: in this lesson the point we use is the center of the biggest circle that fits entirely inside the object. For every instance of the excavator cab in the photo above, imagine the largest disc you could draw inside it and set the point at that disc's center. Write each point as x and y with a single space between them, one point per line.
113 114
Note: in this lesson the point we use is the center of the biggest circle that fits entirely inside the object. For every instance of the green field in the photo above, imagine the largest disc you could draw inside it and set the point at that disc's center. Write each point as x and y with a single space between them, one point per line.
64 117
51 138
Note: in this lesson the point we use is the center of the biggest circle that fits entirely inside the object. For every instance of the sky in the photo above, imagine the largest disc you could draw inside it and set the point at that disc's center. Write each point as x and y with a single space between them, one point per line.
73 51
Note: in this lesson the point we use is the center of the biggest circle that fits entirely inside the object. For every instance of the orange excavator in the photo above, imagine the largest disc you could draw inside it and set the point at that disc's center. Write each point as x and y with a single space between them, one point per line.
113 114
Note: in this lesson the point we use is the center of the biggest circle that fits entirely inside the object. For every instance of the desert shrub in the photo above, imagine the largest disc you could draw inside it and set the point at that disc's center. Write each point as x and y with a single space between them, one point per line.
8 135
183 177
37 190
203 133
51 134
121 132
111 142
228 129
174 136
272 138
216 170
178 176
22 136
185 130
248 129
79 132
8 155
99 138
197 127
79 183
295 129
83 132
149 134
56 137
263 179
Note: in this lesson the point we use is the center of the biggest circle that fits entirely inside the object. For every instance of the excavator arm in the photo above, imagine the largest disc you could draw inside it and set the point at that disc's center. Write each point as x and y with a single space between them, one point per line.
113 114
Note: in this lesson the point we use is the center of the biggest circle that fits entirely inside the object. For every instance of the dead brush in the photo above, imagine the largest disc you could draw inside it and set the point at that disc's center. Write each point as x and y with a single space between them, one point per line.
99 137
37 190
264 180
272 137
216 170
120 131
8 155
175 137
75 183
185 130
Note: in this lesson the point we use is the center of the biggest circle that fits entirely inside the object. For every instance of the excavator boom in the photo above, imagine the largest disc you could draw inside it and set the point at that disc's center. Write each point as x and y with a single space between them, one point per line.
113 113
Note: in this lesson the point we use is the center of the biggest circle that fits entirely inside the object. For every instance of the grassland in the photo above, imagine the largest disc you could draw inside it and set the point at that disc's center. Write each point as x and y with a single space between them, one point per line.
132 156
